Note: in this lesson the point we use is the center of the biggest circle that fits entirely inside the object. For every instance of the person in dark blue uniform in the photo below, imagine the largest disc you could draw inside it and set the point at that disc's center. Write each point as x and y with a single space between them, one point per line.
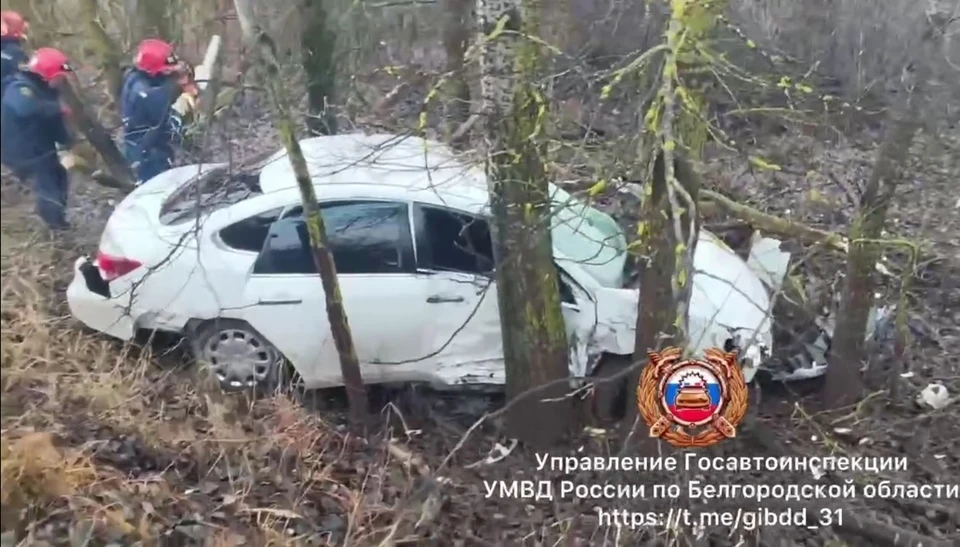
152 106
13 31
32 126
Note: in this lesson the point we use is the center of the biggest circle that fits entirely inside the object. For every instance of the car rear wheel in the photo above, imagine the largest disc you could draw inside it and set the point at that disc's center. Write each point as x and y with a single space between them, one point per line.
237 356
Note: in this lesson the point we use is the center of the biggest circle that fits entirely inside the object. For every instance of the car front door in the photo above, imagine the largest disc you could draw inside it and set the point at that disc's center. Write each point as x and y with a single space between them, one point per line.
455 264
373 251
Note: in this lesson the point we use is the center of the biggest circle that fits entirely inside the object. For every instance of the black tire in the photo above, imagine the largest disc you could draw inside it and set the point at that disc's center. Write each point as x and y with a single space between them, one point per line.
249 362
610 397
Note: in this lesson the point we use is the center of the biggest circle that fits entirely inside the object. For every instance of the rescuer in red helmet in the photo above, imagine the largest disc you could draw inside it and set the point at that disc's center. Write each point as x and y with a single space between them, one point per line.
32 126
13 32
153 105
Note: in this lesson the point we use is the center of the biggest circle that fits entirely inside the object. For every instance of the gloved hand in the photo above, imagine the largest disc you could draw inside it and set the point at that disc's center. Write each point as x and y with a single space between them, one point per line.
68 160
185 104
186 80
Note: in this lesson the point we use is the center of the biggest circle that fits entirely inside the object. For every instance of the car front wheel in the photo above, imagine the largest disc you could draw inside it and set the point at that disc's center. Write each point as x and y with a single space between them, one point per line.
238 356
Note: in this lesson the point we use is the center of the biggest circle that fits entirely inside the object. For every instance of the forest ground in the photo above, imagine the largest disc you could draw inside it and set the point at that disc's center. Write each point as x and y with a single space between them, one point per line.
128 445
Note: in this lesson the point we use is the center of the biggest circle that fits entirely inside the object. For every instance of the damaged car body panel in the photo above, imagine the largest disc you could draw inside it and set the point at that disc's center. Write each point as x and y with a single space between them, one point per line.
729 307
407 223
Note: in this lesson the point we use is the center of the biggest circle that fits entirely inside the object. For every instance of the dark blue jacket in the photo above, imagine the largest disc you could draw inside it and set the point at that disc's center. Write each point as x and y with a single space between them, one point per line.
149 124
11 57
31 122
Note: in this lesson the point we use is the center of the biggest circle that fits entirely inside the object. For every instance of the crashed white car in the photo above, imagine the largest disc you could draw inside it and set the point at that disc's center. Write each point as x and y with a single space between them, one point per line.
221 256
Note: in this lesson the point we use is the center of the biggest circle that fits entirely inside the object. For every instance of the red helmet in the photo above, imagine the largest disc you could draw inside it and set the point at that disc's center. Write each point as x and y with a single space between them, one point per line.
49 64
156 57
12 25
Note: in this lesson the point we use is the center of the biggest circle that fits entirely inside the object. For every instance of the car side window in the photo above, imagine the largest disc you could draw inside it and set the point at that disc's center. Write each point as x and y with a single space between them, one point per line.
366 237
453 241
286 250
250 233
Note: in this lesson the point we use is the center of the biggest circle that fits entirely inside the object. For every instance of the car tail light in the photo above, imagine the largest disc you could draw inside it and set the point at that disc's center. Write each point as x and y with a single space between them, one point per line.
112 267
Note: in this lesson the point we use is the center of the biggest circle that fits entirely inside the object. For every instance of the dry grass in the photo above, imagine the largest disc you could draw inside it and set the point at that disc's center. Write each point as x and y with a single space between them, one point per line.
112 443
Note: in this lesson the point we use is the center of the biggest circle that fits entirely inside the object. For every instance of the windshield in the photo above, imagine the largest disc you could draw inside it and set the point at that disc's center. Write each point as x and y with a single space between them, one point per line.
588 237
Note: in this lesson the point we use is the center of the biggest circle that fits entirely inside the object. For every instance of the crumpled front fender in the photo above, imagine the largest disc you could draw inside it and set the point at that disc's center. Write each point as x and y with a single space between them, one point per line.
730 305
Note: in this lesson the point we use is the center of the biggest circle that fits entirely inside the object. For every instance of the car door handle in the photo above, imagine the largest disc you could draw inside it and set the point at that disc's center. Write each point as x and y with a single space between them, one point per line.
437 299
280 302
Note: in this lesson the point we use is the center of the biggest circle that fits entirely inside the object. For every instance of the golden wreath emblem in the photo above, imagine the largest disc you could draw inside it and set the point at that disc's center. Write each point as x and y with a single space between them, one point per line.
692 403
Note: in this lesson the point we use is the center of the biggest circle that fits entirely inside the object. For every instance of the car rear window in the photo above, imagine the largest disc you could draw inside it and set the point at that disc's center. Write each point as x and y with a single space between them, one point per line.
213 190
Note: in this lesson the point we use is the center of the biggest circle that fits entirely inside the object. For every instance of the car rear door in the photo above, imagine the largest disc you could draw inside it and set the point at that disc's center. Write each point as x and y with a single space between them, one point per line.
373 251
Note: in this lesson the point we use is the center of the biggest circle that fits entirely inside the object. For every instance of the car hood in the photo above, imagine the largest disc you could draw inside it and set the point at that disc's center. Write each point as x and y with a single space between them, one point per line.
589 237
730 300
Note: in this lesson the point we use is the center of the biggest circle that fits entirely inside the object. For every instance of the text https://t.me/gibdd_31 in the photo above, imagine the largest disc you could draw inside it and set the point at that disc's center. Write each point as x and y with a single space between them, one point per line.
810 503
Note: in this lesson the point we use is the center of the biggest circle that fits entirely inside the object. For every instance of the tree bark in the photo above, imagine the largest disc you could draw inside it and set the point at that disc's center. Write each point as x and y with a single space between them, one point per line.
848 348
109 53
534 335
319 64
657 325
322 257
118 174
155 20
456 35
775 225
669 220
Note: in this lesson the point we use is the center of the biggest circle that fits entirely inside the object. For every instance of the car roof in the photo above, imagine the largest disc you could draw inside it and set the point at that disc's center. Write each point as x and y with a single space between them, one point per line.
383 163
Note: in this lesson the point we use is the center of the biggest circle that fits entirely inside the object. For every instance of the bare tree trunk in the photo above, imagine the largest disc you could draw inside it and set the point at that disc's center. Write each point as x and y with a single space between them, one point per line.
109 53
655 265
155 20
534 336
848 349
670 221
456 35
657 324
319 42
283 120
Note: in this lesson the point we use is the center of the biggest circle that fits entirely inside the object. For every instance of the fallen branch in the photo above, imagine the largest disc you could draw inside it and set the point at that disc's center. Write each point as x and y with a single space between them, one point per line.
464 128
425 501
408 458
771 224
391 98
119 175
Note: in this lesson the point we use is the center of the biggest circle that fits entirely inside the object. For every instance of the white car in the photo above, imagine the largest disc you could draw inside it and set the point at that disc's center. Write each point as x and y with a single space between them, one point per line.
407 222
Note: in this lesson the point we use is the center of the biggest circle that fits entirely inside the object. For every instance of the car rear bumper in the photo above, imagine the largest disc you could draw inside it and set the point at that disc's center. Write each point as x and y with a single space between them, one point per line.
88 297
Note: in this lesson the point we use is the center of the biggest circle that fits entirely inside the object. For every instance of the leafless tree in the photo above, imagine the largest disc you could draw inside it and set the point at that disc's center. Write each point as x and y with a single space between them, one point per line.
844 378
319 246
